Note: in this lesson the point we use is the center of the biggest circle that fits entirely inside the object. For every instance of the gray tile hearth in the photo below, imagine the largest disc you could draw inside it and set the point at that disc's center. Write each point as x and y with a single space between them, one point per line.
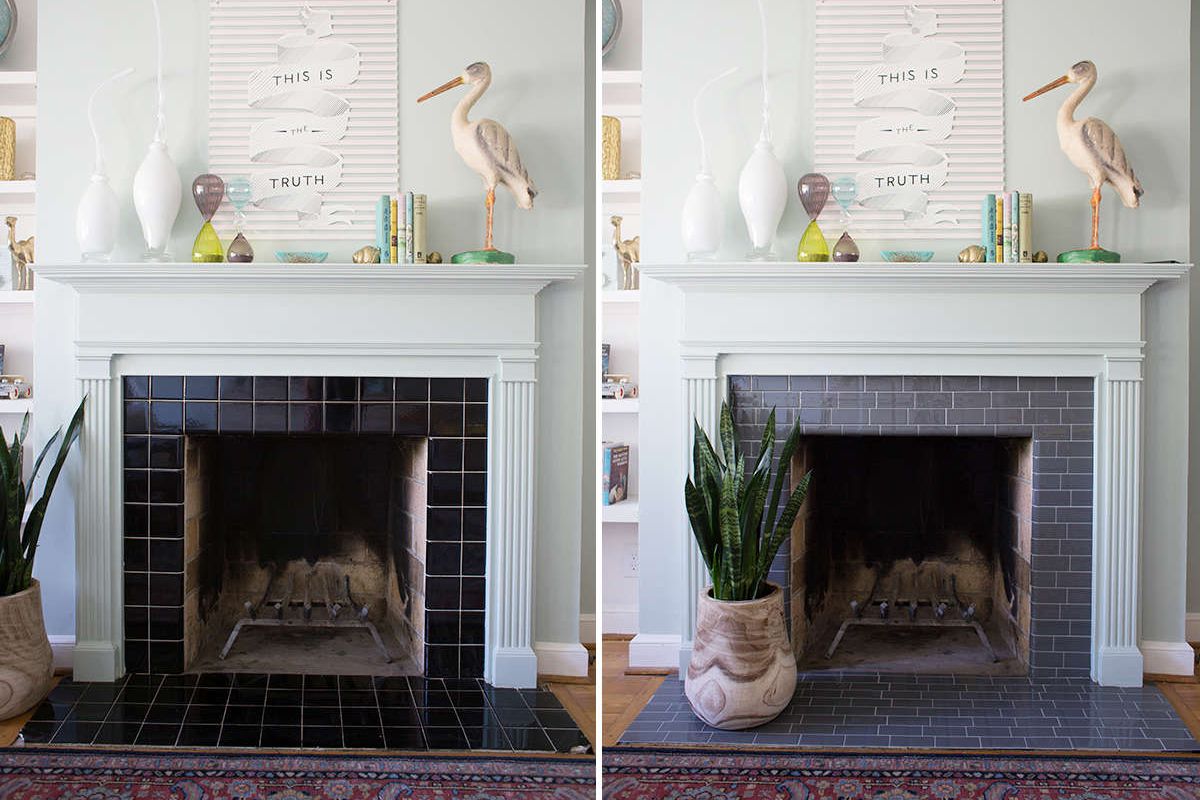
871 710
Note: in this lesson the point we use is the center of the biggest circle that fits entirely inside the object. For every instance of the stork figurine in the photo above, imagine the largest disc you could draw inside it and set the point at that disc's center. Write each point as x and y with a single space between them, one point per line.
1094 148
489 149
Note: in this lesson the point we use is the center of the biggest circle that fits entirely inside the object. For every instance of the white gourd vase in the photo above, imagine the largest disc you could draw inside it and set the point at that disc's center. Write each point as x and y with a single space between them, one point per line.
703 219
96 220
157 194
762 194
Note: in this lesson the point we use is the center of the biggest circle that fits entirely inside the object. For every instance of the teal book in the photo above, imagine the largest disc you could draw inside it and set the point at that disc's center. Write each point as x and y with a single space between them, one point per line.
989 227
1014 251
383 226
409 219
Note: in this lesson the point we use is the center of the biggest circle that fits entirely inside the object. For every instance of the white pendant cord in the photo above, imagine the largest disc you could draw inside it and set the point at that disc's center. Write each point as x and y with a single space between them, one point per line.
704 162
99 169
160 131
766 89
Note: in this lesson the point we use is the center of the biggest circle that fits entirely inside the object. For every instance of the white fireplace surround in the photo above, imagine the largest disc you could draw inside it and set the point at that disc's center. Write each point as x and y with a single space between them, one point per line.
331 319
931 319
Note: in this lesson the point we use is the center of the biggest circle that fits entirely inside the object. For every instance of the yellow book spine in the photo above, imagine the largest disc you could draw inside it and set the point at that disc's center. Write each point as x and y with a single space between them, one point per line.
395 239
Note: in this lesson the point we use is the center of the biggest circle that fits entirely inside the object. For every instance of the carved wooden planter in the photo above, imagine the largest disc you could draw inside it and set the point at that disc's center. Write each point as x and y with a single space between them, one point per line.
742 671
26 663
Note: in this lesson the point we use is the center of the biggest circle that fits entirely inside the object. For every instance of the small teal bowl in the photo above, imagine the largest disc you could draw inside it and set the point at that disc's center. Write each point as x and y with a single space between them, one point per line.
301 256
906 256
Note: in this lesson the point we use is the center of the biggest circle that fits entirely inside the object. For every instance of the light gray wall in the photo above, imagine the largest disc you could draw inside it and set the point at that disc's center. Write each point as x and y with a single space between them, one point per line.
1193 582
1142 54
538 60
591 352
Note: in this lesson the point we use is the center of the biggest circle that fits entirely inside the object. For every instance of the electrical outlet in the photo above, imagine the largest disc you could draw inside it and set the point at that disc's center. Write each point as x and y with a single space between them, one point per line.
631 564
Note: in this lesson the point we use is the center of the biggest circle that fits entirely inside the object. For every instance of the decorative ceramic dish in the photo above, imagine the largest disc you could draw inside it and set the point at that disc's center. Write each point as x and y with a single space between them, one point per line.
906 256
301 256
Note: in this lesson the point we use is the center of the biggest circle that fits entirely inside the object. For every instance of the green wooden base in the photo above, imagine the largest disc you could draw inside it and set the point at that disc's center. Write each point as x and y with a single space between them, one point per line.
1089 256
483 257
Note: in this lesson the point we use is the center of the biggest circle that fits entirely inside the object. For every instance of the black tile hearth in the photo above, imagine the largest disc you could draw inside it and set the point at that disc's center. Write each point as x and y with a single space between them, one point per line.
303 711
161 411
831 709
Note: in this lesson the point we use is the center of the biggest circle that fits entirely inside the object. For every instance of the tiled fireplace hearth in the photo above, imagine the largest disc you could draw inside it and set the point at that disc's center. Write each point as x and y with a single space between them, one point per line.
431 370
1076 362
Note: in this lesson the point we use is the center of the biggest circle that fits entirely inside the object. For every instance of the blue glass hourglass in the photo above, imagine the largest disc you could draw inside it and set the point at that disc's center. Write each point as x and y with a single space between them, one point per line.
239 192
845 191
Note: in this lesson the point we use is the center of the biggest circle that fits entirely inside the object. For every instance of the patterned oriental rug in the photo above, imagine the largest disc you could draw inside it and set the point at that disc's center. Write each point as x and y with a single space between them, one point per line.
768 774
63 774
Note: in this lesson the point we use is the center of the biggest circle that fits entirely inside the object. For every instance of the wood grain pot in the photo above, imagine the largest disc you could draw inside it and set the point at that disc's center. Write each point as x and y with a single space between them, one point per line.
26 663
742 671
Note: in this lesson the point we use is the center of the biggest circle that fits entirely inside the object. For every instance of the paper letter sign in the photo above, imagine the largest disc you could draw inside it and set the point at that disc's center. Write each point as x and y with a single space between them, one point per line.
303 102
910 102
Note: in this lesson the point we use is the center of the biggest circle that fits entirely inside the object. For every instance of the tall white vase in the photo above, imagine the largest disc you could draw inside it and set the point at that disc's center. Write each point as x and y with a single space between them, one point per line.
703 219
157 194
762 194
96 220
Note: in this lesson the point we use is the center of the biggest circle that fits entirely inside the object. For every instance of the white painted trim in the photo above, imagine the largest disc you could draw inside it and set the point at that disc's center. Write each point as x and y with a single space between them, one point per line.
620 620
512 668
1192 626
561 658
1168 658
63 647
654 651
587 628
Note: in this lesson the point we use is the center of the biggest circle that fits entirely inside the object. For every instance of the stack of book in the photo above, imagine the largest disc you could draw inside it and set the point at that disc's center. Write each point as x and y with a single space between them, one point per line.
400 228
1007 227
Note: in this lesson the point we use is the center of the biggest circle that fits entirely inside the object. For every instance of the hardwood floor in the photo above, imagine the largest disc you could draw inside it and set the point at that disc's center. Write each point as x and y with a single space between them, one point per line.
579 698
624 695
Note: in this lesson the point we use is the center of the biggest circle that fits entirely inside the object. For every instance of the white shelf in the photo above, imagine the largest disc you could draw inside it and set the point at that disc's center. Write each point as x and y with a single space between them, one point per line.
16 406
625 511
12 297
18 187
14 77
622 296
621 77
625 406
622 110
631 186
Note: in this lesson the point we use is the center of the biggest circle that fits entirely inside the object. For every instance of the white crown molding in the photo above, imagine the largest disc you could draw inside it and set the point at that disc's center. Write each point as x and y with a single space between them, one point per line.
137 278
778 276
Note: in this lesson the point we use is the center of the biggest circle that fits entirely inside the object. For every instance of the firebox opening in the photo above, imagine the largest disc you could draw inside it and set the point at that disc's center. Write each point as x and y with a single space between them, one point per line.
916 550
304 544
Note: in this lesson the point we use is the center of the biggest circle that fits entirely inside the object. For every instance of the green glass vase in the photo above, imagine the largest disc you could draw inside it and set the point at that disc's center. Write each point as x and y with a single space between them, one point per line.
813 246
207 248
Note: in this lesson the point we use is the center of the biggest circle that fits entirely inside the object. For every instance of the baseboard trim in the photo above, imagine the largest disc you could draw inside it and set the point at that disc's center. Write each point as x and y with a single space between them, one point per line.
587 628
654 651
561 658
620 620
1168 658
63 648
1192 626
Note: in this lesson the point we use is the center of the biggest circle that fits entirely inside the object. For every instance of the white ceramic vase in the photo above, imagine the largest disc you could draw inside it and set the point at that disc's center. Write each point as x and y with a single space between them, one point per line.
762 195
96 220
157 194
703 219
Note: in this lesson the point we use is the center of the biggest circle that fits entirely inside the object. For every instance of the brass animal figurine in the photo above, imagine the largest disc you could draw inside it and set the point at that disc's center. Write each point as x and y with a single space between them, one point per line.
434 257
972 254
629 252
366 255
1040 257
22 255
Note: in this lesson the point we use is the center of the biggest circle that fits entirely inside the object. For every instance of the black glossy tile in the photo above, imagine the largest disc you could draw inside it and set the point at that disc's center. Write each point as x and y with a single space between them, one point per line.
137 654
243 715
474 524
443 558
117 733
487 738
270 387
137 417
166 387
137 486
377 389
284 697
270 418
470 661
135 387
327 682
321 737
445 455
375 417
166 622
323 716
445 419
240 735
166 555
204 715
475 419
341 389
142 695
171 695
357 683
199 735
166 656
248 695
358 698
166 416
412 419
412 389
166 521
166 486
282 715
305 417
136 452
474 558
442 594
404 738
136 520
200 417
529 739
445 488
305 388
474 489
447 389
400 716
476 390
71 732
441 627
285 682
360 717
471 626
200 387
166 589
444 524
136 555
553 718
165 452
321 697
236 418
237 387
281 736
166 714
214 680
441 659
475 455
445 738
474 594
364 737
158 735
341 417
256 680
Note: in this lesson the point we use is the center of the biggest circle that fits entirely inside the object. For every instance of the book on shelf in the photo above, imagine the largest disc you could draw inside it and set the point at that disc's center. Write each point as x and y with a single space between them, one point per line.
1025 227
615 476
420 203
409 218
988 227
383 227
393 240
999 234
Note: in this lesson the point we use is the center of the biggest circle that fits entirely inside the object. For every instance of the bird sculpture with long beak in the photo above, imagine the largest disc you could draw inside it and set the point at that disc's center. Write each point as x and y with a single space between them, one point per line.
1094 149
487 148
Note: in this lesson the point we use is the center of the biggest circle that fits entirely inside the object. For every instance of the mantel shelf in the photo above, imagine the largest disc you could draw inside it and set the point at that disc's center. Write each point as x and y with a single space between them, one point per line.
775 276
139 278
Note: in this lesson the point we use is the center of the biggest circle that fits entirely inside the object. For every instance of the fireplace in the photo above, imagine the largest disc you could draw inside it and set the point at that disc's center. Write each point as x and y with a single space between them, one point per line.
265 516
963 503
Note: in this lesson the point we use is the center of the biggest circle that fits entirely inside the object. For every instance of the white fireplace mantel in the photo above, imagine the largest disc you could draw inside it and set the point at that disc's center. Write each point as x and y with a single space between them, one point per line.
933 319
321 319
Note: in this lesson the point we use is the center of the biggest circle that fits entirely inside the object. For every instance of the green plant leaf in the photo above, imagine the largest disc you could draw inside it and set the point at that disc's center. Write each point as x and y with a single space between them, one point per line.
728 439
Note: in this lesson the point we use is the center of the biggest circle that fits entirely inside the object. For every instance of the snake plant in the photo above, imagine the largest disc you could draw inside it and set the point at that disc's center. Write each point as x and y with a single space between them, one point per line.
21 522
737 529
